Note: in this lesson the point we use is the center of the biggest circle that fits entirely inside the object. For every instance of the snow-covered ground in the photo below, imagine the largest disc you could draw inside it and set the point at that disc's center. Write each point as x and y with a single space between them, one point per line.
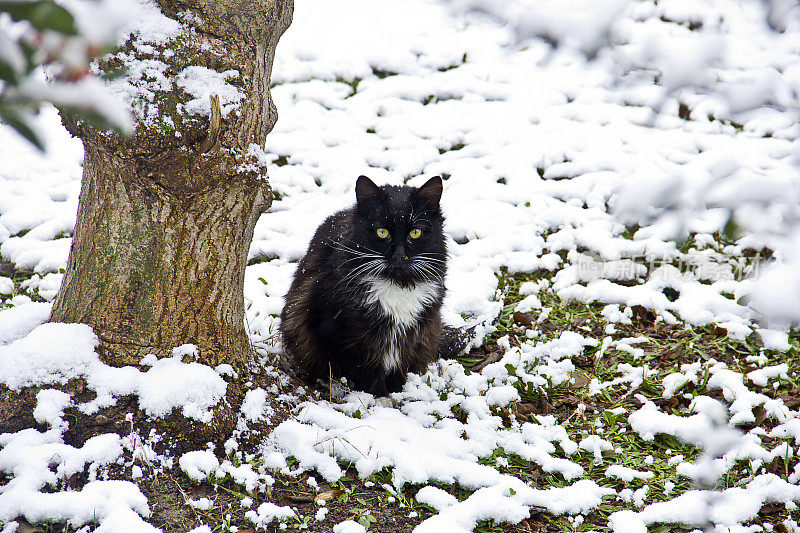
546 154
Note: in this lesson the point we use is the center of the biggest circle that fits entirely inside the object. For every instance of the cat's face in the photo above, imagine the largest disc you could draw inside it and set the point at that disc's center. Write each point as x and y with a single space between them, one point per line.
400 231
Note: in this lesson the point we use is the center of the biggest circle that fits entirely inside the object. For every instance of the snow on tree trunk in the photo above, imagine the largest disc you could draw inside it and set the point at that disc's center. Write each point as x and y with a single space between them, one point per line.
166 216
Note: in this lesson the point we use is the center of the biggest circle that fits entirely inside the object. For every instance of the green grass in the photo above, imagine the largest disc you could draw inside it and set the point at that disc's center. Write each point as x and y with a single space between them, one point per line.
667 347
19 278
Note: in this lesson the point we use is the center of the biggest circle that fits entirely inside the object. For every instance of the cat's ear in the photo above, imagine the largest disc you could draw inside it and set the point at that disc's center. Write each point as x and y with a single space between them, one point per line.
366 191
431 191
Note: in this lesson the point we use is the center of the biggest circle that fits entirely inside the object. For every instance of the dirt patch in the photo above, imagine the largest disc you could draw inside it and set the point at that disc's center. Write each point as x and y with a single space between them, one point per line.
168 501
168 494
535 524
16 409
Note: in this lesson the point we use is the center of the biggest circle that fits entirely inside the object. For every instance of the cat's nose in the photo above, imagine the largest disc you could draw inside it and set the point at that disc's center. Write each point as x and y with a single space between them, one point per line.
400 253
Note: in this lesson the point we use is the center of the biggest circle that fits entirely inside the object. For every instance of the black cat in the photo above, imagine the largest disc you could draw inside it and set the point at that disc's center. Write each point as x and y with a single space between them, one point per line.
366 298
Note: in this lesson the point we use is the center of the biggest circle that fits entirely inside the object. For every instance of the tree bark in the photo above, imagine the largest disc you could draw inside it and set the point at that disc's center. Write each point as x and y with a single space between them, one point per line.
165 220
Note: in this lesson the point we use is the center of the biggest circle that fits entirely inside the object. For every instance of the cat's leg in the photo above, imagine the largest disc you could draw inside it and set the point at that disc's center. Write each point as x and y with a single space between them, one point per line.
424 349
378 386
368 379
395 381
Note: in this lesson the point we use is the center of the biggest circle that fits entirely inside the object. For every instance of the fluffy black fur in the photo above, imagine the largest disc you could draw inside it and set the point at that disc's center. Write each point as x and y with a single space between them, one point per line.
366 307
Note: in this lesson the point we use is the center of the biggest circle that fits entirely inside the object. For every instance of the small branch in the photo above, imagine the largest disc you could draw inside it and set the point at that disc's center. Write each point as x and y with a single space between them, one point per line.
213 130
491 358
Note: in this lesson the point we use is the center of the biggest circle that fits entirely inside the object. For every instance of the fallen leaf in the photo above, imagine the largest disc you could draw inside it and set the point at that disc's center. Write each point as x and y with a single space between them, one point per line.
579 380
328 495
643 314
523 319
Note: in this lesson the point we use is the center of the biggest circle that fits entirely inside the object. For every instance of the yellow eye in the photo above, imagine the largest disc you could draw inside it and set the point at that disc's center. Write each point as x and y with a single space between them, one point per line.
382 232
415 233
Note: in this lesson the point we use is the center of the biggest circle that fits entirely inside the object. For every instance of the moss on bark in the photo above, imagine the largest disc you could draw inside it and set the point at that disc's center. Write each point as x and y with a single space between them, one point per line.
165 221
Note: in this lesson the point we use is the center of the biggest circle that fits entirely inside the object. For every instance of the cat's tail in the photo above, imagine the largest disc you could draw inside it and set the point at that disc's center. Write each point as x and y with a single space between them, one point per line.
455 341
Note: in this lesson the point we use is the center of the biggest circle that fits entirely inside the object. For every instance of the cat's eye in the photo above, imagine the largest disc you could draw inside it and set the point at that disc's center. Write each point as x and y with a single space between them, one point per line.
382 232
415 233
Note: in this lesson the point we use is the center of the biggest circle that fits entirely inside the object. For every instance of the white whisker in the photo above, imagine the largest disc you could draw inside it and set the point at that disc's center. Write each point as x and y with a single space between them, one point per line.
426 270
348 249
360 270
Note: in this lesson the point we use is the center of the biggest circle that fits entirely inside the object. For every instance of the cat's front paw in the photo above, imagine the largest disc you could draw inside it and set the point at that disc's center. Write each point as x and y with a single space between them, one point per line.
385 401
338 390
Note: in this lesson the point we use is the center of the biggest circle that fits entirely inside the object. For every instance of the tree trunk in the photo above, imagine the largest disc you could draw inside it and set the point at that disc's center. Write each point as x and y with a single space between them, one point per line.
165 219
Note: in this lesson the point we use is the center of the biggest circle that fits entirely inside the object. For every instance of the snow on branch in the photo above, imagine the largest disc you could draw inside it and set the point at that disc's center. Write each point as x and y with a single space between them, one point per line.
45 51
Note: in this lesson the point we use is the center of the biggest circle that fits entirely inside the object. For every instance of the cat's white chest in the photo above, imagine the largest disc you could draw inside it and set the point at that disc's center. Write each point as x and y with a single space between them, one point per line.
402 304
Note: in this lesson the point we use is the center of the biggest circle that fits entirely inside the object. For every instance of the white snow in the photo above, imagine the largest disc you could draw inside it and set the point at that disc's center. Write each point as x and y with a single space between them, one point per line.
202 83
55 353
349 526
199 464
255 407
627 474
268 512
6 286
695 508
18 321
204 504
435 497
547 154
596 446
762 376
50 405
774 340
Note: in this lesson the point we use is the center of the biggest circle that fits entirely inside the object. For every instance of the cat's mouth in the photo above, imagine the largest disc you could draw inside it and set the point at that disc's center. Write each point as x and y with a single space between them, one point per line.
399 275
